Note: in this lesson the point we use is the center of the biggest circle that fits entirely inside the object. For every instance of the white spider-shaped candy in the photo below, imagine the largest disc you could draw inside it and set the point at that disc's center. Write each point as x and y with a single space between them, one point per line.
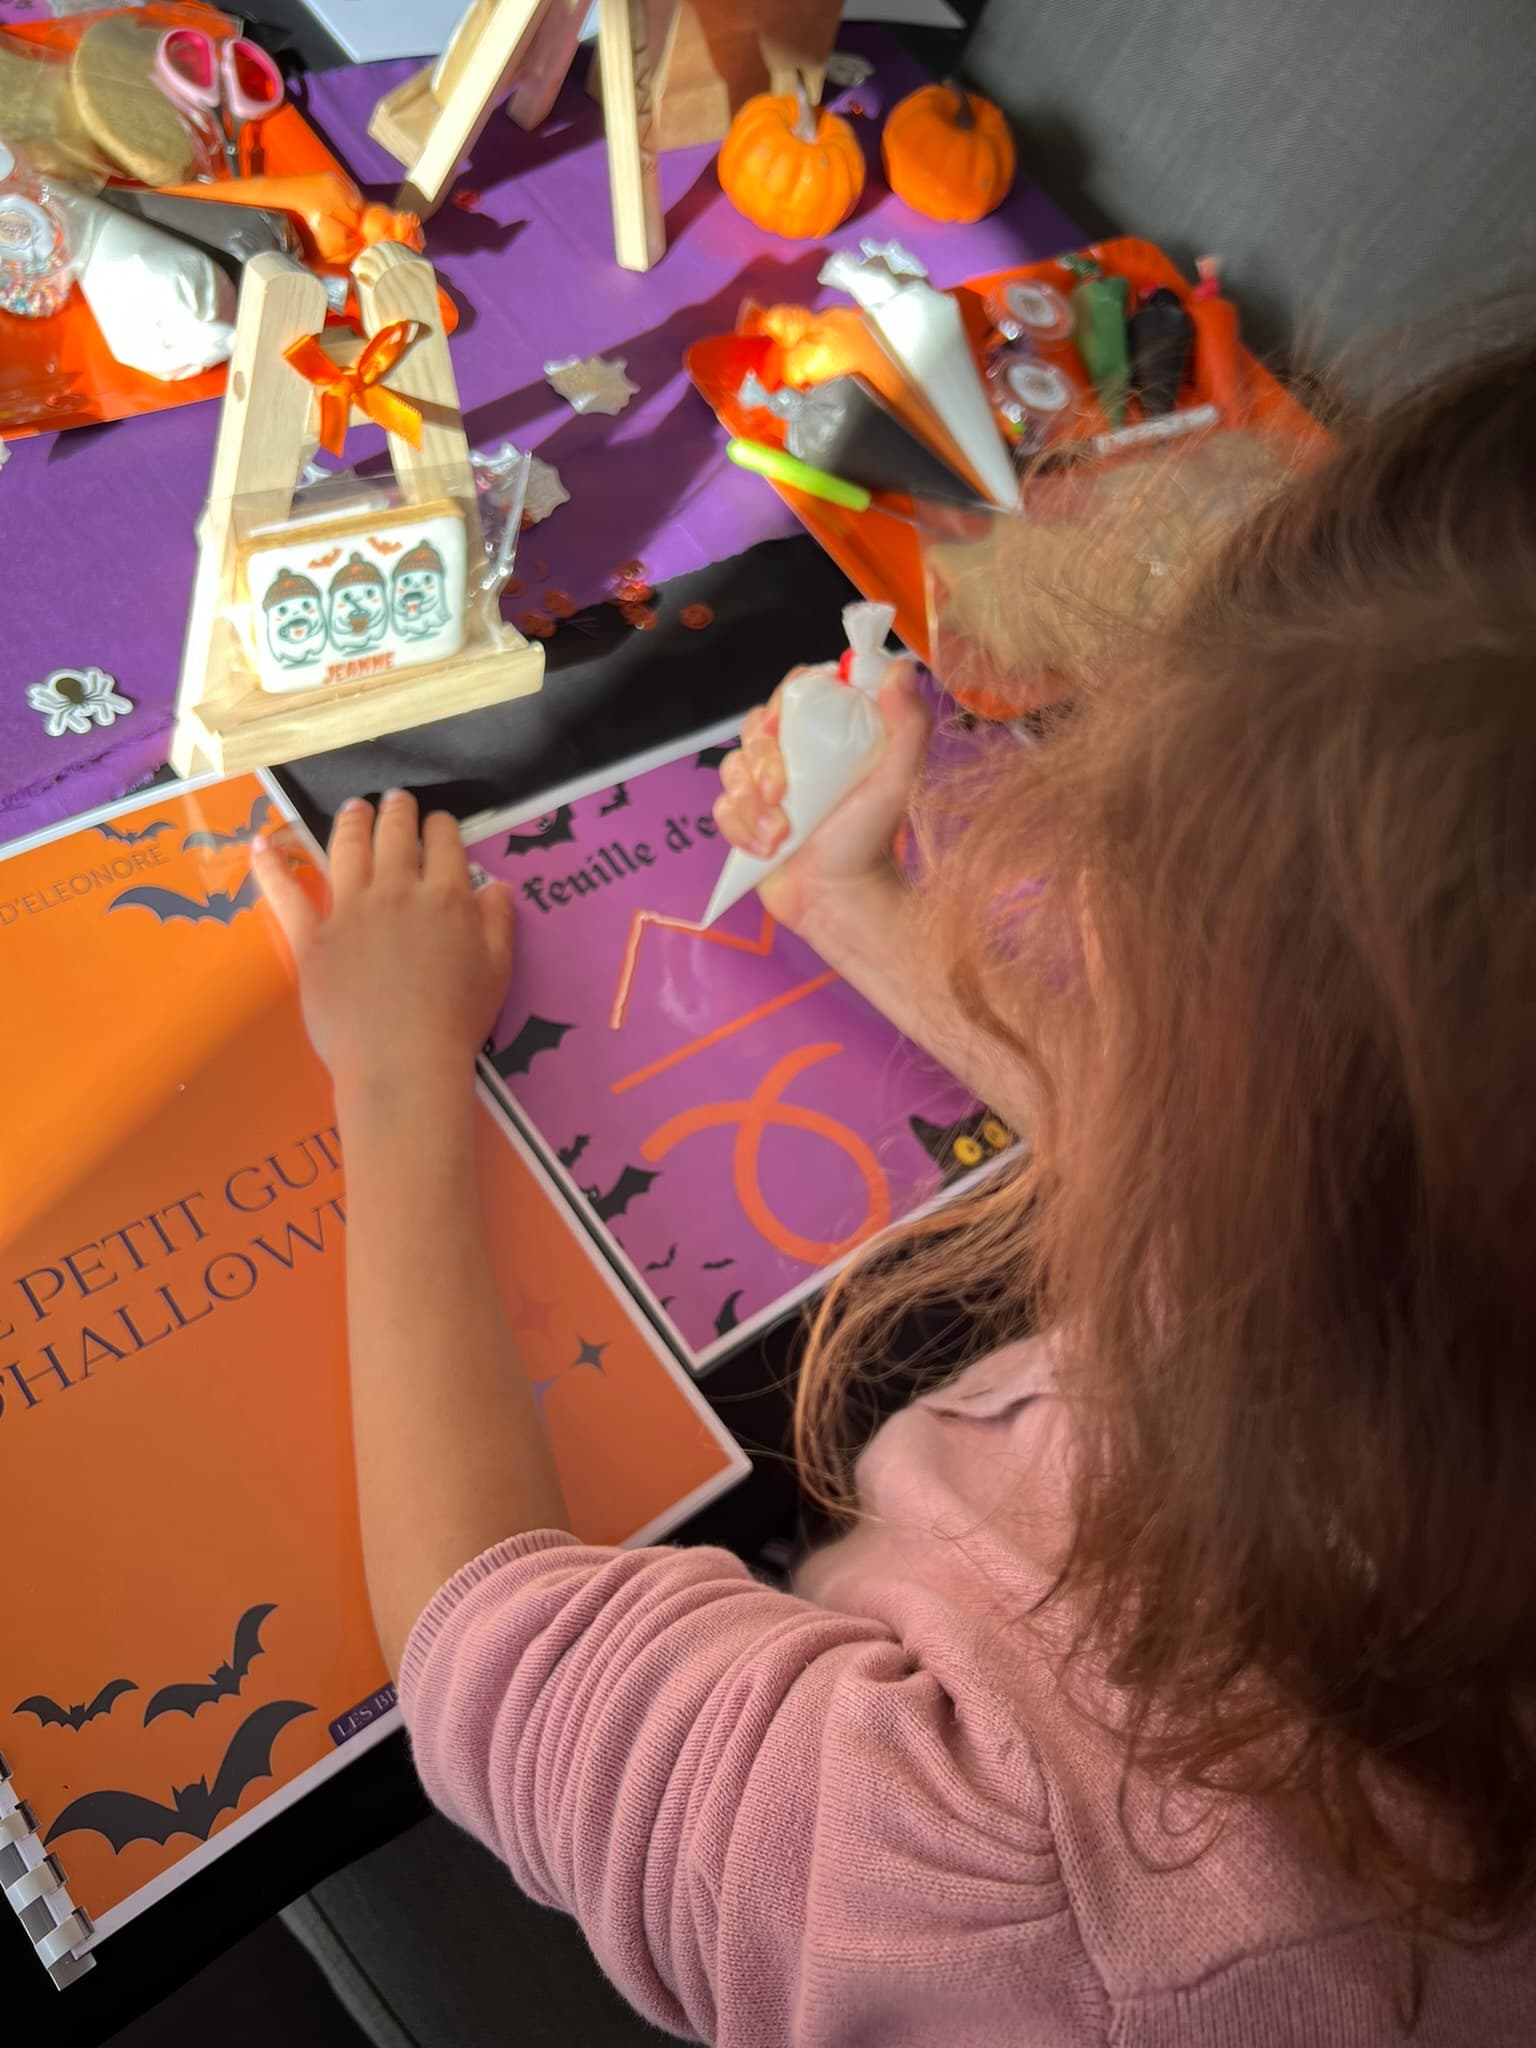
75 699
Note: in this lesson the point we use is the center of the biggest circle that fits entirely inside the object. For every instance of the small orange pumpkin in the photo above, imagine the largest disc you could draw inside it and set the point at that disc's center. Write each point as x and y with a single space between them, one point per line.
791 167
948 152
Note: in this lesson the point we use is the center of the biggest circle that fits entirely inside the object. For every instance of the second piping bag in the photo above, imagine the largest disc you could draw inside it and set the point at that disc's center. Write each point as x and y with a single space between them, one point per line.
920 328
831 733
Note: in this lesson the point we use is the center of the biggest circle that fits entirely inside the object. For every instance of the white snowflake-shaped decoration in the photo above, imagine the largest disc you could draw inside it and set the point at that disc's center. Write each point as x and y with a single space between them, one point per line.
75 699
592 383
546 490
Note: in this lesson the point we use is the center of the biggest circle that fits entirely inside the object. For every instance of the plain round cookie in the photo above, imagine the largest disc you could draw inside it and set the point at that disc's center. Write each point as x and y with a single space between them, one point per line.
121 108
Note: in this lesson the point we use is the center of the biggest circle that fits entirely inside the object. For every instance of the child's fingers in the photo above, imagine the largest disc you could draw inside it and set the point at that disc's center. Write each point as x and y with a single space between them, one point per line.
765 764
443 859
497 920
292 906
735 775
351 850
396 839
750 827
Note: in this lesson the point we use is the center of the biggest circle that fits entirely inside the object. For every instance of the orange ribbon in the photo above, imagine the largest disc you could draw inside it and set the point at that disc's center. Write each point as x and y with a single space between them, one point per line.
360 384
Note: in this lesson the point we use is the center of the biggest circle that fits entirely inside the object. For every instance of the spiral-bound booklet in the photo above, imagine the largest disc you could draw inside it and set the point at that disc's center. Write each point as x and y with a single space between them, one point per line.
185 1641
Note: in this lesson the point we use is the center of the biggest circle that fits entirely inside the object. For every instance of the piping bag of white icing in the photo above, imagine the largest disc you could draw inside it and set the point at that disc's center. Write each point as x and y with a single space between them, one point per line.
830 733
922 332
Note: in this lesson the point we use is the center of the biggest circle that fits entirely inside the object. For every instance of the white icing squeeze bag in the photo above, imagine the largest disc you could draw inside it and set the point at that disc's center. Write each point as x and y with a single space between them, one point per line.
830 733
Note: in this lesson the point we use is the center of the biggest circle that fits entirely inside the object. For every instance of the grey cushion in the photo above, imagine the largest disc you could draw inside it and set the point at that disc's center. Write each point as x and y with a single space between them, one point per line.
1359 163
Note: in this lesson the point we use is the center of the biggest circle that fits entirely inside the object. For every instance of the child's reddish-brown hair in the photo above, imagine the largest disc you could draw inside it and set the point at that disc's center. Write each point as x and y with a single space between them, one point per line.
1275 1006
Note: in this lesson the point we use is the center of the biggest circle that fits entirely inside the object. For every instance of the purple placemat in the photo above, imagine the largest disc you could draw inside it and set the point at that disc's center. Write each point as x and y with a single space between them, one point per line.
98 522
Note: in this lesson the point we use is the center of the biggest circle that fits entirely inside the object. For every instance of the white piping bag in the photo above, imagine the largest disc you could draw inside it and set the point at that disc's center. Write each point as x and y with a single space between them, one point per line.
922 332
831 733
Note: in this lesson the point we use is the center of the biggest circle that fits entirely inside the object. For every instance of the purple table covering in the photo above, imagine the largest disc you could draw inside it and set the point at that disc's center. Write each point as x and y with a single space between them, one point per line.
97 522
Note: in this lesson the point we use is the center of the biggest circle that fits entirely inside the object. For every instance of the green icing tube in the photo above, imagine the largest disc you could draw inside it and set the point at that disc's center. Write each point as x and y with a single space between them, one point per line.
1101 304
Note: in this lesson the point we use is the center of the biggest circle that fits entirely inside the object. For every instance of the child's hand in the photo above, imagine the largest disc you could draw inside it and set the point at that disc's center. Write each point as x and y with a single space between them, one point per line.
854 845
403 978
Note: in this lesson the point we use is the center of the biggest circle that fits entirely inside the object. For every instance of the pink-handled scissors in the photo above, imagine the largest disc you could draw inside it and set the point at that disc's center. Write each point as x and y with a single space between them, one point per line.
234 80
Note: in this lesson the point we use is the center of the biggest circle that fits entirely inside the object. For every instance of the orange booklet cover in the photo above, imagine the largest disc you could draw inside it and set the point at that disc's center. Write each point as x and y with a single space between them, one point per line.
188 1648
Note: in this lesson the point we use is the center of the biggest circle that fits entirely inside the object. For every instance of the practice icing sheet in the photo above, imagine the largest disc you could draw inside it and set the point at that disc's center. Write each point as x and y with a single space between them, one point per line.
745 1121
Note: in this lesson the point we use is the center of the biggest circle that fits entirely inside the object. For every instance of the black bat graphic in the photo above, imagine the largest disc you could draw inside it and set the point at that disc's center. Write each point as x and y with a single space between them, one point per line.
667 1300
132 838
727 1319
242 835
633 1182
539 1034
569 1154
663 1265
711 757
124 1817
51 1715
554 829
715 1265
218 904
228 1679
620 800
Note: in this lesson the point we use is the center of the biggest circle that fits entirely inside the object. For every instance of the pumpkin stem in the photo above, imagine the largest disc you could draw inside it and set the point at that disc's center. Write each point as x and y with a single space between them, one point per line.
964 116
805 118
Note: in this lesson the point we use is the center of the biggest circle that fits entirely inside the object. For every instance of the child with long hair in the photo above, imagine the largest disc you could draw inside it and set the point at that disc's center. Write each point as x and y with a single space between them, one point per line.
1175 1681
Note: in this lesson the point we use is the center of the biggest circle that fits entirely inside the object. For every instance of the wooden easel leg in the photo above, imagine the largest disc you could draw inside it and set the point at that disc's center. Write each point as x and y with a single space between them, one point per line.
258 455
430 121
624 41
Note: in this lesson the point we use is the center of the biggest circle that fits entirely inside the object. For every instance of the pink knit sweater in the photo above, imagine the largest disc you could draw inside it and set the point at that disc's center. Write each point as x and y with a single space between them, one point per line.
870 1816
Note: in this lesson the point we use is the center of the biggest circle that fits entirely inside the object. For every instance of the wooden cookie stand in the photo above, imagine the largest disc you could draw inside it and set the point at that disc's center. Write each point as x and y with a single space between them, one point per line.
224 720
429 123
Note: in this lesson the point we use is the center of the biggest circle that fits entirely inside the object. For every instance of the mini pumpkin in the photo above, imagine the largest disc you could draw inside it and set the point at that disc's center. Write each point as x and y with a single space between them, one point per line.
948 152
791 167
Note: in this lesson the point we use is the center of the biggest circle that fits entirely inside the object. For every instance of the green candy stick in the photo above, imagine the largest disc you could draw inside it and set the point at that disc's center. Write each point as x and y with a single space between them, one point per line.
1101 304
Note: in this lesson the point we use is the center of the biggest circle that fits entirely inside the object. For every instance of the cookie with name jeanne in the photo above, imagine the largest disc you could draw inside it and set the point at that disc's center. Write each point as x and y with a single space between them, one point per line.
346 600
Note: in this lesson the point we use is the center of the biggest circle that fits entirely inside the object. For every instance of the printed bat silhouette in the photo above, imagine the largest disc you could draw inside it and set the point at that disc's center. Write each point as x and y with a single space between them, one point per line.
727 1319
132 838
51 1715
324 561
385 547
124 1817
714 1265
218 905
662 1265
554 829
620 800
539 1034
569 1154
228 1679
711 757
242 835
633 1182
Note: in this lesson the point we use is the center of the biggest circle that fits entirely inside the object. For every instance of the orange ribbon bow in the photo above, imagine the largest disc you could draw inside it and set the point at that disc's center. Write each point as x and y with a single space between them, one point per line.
360 384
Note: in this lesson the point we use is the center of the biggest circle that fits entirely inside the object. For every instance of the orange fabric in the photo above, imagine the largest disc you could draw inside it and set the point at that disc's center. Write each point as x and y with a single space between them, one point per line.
881 554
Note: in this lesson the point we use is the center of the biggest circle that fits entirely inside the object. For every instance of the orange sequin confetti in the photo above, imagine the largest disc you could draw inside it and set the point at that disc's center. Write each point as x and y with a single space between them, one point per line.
696 617
467 199
559 604
630 571
541 572
640 616
513 586
535 625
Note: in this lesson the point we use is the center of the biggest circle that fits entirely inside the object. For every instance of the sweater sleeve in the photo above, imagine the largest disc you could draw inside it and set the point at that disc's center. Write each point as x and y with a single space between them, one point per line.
765 1817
